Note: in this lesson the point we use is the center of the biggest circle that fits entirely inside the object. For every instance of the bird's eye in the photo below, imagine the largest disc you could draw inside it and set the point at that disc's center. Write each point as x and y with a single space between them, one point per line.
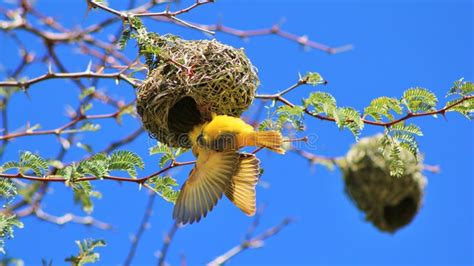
200 140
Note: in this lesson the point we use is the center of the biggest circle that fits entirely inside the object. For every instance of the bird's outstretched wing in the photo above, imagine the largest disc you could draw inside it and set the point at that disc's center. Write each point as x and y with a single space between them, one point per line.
242 188
206 183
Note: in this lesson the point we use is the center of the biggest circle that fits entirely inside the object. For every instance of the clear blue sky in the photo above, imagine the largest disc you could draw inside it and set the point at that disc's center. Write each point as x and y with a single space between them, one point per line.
397 45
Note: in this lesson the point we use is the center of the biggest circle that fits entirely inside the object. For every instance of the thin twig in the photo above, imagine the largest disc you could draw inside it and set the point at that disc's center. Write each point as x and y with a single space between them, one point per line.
167 14
166 244
275 30
255 223
64 128
71 75
144 224
255 242
176 13
126 140
66 218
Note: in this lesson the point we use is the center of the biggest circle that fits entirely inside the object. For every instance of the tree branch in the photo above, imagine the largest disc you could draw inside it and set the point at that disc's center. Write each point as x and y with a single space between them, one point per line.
255 242
279 97
54 178
64 219
166 244
302 40
167 14
71 75
141 229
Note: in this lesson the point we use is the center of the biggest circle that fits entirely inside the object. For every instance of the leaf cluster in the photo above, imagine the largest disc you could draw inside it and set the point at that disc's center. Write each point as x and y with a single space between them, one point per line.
165 187
148 42
87 252
383 110
292 116
397 137
28 162
98 166
7 223
460 91
323 103
168 154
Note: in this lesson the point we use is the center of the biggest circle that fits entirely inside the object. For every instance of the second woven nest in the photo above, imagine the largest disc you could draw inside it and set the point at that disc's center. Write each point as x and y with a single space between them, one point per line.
191 80
389 202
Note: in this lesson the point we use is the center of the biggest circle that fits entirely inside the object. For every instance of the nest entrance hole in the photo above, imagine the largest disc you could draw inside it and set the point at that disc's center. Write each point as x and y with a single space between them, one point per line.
183 116
400 214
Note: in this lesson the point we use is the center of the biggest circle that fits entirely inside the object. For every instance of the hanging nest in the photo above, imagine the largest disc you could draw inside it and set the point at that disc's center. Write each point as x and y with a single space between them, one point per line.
389 202
191 80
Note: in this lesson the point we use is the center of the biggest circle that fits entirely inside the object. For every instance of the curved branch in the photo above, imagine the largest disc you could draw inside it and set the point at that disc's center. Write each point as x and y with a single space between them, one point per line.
63 129
167 14
54 178
166 244
64 219
279 97
71 75
141 229
255 242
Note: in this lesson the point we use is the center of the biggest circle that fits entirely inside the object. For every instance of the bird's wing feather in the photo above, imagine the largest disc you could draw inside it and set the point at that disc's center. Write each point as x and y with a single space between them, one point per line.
242 189
206 183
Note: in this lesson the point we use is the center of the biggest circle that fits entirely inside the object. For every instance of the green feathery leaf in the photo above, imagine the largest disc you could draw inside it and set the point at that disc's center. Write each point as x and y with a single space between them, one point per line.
405 135
97 168
321 102
86 252
83 194
312 78
7 223
419 100
125 161
464 106
125 37
290 115
9 165
29 161
167 154
8 191
350 118
83 191
391 149
382 107
396 166
159 148
461 87
164 186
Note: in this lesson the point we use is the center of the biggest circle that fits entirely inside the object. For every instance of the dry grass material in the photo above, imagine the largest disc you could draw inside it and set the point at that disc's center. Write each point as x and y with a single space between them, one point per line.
389 202
192 80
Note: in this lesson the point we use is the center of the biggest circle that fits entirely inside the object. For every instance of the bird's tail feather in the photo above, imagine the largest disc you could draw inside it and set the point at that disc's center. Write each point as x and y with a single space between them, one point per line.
271 140
241 191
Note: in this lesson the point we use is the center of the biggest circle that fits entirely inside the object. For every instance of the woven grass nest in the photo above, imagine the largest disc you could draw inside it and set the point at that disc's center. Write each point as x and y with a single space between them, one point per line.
194 78
390 203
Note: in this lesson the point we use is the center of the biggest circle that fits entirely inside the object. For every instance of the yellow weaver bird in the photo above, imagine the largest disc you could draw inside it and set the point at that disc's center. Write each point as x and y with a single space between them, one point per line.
221 169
